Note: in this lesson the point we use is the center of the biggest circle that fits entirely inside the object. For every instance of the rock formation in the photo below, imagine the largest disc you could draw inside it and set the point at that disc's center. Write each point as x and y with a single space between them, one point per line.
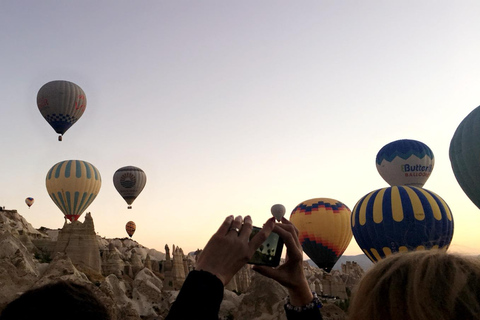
79 241
167 267
18 270
112 263
134 282
263 300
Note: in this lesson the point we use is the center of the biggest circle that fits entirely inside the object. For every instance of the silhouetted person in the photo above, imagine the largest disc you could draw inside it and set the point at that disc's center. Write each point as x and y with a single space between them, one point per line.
56 301
420 285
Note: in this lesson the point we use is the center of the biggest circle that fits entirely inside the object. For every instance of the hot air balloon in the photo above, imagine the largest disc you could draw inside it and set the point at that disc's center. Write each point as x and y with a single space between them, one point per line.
324 229
465 155
405 162
129 182
61 103
29 201
278 211
130 227
400 219
73 185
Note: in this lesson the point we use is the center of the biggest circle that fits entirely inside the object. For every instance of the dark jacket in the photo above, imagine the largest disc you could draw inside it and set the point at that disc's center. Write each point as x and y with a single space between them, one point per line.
202 294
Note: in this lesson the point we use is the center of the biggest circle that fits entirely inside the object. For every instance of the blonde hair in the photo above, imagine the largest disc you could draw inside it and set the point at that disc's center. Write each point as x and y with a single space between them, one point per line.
421 285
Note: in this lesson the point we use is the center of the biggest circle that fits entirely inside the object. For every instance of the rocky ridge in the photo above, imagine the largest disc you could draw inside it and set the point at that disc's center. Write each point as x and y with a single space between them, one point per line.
135 282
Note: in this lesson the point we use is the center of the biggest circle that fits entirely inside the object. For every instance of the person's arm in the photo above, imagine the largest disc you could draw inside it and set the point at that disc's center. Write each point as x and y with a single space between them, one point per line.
302 303
199 298
228 250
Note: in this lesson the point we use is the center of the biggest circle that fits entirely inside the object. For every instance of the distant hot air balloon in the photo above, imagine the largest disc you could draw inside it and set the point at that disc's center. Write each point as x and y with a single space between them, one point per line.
400 219
324 229
405 162
465 155
129 182
130 227
61 103
73 185
29 201
278 211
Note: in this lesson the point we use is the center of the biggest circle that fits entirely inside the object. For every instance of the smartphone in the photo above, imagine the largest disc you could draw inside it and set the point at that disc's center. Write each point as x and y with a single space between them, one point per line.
269 253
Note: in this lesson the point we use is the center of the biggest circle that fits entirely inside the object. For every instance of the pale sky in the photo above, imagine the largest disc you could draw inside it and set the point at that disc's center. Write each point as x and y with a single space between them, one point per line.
232 106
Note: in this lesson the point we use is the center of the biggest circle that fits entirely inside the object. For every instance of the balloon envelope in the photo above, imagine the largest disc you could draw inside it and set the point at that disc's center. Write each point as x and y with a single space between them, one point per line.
29 201
400 219
61 103
278 211
324 229
130 227
405 162
465 155
129 182
73 185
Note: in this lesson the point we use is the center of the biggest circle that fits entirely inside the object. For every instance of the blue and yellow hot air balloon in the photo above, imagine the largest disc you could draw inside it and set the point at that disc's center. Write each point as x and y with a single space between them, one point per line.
61 103
324 229
73 185
400 219
465 155
405 162
129 182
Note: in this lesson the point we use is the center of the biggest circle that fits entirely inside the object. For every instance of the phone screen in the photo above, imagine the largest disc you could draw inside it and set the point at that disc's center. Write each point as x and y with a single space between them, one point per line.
269 252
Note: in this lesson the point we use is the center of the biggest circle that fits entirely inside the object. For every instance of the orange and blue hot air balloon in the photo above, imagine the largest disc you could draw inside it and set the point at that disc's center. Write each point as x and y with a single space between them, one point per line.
61 103
401 219
405 162
324 229
465 155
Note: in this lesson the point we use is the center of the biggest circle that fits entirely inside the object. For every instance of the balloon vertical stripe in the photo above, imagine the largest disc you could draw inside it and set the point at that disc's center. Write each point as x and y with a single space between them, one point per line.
377 217
68 169
57 172
396 204
61 198
75 201
86 203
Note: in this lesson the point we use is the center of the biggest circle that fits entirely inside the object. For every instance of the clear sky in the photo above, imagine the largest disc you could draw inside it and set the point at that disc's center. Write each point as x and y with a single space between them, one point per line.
232 106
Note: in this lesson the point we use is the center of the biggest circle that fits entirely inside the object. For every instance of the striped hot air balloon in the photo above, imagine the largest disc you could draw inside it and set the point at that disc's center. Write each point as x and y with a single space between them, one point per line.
130 227
405 162
61 103
73 185
129 182
400 219
324 229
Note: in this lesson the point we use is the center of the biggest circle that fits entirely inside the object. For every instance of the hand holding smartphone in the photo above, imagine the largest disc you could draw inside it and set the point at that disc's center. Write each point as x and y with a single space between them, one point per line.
270 251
